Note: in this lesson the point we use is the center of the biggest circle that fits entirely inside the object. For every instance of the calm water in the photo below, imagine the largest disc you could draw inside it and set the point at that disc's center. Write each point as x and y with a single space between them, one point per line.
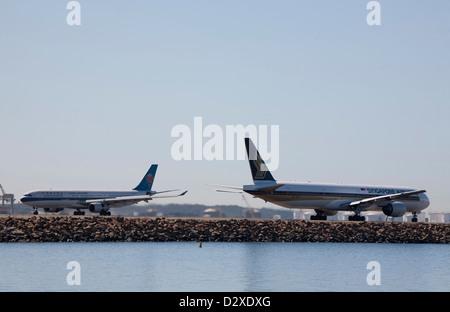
182 266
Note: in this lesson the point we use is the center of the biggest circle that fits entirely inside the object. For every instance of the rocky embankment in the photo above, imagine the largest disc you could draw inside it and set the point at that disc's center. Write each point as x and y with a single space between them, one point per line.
138 229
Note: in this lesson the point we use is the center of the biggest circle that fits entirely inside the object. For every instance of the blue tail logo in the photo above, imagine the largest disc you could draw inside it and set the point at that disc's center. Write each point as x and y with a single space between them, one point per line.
147 181
260 172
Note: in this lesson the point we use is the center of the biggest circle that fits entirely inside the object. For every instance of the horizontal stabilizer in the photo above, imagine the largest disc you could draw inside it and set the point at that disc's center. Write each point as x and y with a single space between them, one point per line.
226 186
225 191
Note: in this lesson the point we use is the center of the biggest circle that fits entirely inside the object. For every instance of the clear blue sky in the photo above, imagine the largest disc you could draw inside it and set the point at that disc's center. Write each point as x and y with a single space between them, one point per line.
92 106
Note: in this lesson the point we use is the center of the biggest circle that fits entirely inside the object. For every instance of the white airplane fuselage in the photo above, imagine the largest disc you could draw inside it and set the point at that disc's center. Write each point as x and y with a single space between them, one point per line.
99 201
327 199
75 199
330 197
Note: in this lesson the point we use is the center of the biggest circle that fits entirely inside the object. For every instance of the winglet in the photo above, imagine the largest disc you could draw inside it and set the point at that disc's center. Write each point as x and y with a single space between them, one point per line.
147 180
257 165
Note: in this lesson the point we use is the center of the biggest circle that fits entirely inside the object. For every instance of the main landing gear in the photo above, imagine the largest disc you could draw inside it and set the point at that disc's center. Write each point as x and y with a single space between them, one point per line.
356 218
104 212
414 218
78 212
319 216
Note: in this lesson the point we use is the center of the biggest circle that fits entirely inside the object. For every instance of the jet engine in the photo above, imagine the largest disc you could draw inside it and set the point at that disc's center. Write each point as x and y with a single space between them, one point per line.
394 209
98 207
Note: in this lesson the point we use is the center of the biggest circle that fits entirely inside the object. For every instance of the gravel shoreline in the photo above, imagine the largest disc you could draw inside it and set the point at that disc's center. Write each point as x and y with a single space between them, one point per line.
139 229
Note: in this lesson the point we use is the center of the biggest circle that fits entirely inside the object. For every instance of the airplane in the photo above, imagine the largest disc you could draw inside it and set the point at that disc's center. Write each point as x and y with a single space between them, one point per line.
97 201
328 199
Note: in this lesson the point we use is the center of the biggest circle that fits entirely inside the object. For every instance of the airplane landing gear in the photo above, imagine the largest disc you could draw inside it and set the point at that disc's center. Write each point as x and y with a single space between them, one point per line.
414 218
104 212
35 212
319 216
78 212
356 218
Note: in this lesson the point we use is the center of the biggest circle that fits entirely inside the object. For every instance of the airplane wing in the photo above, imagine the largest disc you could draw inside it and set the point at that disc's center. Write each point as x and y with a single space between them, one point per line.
181 194
385 198
153 193
130 200
225 191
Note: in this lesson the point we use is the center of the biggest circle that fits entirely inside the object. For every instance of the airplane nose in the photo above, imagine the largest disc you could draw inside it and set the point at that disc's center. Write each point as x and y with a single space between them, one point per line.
25 199
425 200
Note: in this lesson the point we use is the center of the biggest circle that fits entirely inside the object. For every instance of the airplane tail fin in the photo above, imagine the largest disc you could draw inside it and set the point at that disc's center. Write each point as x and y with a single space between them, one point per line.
147 180
257 165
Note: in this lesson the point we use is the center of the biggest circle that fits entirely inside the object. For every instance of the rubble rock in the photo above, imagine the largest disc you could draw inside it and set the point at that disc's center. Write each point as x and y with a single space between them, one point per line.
134 229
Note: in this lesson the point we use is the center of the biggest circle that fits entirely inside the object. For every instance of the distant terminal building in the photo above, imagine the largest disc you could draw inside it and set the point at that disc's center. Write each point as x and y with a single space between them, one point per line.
213 213
153 212
251 213
439 217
